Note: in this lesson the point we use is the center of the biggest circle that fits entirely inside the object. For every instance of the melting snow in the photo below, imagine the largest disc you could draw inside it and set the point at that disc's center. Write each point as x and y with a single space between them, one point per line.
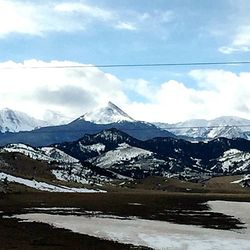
43 186
157 234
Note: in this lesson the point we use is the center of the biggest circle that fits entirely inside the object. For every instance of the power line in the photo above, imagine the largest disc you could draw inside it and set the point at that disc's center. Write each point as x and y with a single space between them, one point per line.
208 127
129 65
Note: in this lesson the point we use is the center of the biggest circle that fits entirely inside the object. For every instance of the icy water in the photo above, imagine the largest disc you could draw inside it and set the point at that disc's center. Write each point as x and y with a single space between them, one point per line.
151 233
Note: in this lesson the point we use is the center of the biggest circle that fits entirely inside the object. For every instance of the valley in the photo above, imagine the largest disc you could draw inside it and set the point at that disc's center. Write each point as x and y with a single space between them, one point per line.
121 185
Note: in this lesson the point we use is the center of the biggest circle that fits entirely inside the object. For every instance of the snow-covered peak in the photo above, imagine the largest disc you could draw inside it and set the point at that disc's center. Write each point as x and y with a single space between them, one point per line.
108 114
15 121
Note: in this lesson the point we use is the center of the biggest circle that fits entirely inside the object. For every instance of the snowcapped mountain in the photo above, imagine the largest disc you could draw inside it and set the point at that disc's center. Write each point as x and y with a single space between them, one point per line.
15 121
225 126
108 114
78 128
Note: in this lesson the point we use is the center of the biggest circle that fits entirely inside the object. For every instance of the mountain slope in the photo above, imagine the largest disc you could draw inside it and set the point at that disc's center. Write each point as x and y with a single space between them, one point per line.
15 121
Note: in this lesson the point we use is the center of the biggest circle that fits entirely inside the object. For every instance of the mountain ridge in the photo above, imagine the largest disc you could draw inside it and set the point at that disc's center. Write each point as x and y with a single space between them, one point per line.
224 126
160 155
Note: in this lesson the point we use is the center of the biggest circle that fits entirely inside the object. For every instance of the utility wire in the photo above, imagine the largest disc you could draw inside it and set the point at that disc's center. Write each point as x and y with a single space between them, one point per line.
208 127
128 65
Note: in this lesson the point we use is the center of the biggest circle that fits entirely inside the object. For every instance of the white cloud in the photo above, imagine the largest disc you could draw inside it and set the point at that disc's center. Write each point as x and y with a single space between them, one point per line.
140 86
70 91
240 42
85 9
74 91
35 19
218 93
125 26
39 18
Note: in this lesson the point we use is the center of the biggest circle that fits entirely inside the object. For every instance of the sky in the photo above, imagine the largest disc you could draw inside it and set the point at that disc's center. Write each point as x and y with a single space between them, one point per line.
51 33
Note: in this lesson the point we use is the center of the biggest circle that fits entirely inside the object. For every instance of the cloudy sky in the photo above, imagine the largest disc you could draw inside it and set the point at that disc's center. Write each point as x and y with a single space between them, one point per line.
52 33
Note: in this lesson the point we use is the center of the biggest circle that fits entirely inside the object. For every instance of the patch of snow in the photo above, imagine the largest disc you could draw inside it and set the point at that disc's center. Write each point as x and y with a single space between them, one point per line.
123 152
43 186
98 147
234 157
247 177
58 155
29 151
75 175
43 154
236 209
135 204
53 208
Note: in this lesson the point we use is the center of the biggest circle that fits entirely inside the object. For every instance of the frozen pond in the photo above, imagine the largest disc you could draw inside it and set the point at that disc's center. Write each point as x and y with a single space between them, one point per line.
157 234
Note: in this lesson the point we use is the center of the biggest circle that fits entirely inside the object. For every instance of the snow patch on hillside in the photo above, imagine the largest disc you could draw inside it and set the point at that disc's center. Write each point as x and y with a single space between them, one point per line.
98 147
43 154
232 157
123 152
58 155
43 186
29 151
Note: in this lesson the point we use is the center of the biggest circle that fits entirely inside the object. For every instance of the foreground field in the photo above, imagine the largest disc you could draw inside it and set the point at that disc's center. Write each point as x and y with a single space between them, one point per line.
181 208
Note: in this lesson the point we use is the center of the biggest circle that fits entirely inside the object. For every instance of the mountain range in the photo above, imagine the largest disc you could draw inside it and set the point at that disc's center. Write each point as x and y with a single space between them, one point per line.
106 117
17 127
112 154
107 145
119 152
201 129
